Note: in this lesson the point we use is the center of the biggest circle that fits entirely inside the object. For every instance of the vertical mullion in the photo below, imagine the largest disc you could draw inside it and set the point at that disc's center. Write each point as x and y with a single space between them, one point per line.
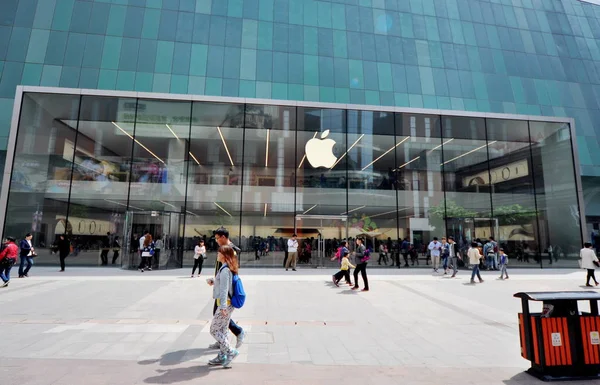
73 165
187 179
395 114
295 172
537 217
487 151
442 170
242 184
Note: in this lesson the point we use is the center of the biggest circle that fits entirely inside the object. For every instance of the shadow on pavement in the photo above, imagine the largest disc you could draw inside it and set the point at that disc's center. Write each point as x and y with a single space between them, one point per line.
177 357
171 376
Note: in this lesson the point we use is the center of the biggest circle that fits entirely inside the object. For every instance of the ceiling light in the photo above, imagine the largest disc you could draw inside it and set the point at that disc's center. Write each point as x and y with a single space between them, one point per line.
172 132
267 151
385 153
168 204
123 204
470 152
138 142
193 157
443 144
353 210
219 206
304 157
388 212
407 163
350 148
309 209
265 210
225 144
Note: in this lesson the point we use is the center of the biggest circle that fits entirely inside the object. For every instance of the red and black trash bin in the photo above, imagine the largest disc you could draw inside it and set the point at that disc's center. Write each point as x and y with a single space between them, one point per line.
561 342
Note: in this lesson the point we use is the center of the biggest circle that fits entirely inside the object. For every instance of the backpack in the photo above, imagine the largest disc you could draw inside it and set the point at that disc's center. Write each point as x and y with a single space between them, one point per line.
239 295
366 255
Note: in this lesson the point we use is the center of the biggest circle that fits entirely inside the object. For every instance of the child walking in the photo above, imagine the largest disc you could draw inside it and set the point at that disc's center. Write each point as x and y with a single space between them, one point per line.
222 292
503 263
344 270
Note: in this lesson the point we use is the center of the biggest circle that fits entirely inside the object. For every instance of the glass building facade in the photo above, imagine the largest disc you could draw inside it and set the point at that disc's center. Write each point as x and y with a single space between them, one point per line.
104 168
530 59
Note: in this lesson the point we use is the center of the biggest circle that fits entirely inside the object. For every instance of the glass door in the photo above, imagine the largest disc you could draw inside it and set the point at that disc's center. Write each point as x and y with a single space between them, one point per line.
319 236
165 229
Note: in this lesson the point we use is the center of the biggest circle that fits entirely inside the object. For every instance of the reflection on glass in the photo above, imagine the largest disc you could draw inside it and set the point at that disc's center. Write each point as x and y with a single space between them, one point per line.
555 191
465 163
215 174
418 179
511 179
39 189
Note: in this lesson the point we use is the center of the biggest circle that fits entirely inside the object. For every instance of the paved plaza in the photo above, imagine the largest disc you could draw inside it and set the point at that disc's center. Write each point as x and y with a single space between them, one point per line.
108 326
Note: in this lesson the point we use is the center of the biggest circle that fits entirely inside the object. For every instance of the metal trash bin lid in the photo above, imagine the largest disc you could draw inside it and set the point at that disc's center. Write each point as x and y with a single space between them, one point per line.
559 295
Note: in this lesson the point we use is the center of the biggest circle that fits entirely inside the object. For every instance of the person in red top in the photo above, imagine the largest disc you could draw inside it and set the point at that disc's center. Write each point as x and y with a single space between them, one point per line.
8 257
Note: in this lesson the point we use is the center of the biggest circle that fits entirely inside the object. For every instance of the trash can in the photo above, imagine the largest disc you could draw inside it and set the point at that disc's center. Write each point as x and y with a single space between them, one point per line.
561 342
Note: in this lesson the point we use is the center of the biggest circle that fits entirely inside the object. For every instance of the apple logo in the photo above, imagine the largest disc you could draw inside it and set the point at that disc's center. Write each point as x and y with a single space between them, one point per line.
319 152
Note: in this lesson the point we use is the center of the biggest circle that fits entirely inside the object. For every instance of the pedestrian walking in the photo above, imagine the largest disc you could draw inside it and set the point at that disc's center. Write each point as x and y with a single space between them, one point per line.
503 261
147 253
383 255
589 261
292 253
8 257
361 261
26 255
343 249
116 249
344 269
474 258
222 285
222 239
64 249
435 249
405 250
199 256
490 250
445 254
105 249
453 255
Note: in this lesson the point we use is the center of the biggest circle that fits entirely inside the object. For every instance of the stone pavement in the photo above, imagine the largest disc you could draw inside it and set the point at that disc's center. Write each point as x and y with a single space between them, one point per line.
105 326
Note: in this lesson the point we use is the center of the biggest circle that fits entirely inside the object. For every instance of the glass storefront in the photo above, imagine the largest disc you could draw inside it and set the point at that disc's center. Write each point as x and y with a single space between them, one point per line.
104 169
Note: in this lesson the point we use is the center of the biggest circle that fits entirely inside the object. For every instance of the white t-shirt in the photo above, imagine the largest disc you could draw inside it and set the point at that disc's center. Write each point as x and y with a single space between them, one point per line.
142 239
199 251
435 247
30 246
292 246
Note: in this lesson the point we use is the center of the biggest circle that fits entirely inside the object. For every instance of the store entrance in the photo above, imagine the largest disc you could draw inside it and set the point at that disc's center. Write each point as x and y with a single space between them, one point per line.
164 227
319 236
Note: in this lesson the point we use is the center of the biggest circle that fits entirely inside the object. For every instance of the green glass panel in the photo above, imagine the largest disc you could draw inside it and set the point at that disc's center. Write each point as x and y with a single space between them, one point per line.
235 8
457 104
340 45
430 101
279 91
107 80
116 20
432 29
125 80
444 103
423 56
38 42
342 95
162 83
406 25
247 89
265 35
44 14
32 74
324 14
249 34
62 15
164 57
338 16
415 101
51 76
372 98
311 39
311 70
196 85
155 3
111 52
542 92
311 12
214 86
356 73
143 81
203 6
457 32
151 24
401 100
198 59
263 90
296 92
311 93
248 64
296 12
480 86
384 71
265 10
427 84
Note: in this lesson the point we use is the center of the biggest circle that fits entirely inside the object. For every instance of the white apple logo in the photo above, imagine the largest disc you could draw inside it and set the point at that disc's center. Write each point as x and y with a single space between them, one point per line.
319 152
